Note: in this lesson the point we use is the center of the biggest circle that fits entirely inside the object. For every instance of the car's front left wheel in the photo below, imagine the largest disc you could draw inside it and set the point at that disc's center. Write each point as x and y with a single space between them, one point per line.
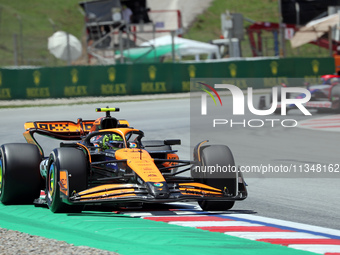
20 180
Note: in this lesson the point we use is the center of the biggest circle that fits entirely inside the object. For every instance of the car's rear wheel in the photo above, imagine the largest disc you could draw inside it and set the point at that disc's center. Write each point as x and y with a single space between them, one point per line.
218 155
75 162
20 180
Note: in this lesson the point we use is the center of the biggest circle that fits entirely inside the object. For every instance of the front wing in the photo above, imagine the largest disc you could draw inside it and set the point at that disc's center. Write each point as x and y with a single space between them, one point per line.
118 193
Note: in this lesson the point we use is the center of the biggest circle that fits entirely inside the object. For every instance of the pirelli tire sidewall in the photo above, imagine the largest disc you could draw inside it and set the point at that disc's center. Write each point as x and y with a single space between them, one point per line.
217 155
75 162
20 176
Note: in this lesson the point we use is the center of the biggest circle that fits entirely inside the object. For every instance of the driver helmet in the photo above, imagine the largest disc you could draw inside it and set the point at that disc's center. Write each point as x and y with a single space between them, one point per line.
108 141
112 141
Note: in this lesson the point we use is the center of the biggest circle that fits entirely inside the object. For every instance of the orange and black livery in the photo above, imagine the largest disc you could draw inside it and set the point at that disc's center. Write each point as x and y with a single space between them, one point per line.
106 161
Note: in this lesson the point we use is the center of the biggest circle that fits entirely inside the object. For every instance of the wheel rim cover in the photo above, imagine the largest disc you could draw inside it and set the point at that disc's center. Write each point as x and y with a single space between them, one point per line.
51 181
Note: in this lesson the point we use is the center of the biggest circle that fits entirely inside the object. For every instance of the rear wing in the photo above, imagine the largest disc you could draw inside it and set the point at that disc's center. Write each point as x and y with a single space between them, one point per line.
64 130
61 130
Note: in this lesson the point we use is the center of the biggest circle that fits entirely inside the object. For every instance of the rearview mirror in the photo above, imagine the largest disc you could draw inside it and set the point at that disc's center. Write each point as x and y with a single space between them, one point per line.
172 142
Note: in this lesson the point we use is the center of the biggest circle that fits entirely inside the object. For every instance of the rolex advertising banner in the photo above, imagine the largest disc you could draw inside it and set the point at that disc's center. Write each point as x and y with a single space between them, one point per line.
127 79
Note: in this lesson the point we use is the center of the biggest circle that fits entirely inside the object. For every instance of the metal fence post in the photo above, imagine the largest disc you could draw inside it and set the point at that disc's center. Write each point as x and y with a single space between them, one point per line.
173 45
121 48
281 32
15 48
68 49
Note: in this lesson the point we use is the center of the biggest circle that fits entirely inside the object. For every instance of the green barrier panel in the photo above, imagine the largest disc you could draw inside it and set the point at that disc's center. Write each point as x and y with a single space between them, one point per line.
184 72
134 79
153 78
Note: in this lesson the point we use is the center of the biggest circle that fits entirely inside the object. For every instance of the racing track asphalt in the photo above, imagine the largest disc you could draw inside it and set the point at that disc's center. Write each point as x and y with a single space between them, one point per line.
304 200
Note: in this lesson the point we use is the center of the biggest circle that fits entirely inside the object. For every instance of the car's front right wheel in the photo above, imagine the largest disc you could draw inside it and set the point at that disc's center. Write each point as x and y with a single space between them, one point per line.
218 156
74 162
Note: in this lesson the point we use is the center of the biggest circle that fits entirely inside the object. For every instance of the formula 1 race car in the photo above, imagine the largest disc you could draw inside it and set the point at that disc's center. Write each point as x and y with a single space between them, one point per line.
108 163
323 96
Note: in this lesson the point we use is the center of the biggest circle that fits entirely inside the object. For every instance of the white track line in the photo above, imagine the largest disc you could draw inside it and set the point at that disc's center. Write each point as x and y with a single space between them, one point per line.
274 235
197 224
289 224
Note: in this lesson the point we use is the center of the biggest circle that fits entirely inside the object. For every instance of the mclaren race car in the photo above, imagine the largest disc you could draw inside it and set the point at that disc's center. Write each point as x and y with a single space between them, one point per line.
106 161
323 96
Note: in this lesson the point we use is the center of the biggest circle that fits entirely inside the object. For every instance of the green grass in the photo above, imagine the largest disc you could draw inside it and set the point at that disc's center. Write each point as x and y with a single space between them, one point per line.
36 27
207 26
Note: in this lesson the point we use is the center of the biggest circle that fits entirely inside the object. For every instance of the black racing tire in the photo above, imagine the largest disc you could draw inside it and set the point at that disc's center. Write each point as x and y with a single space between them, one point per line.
221 155
335 97
75 162
20 179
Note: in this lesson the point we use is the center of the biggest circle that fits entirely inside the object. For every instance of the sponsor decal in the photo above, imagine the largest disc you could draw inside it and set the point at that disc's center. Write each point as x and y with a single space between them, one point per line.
315 66
192 71
152 72
112 74
54 127
233 70
158 184
274 67
36 77
74 76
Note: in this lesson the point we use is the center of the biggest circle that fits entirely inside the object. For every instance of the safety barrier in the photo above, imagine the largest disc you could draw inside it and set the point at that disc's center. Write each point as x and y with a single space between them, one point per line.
128 79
